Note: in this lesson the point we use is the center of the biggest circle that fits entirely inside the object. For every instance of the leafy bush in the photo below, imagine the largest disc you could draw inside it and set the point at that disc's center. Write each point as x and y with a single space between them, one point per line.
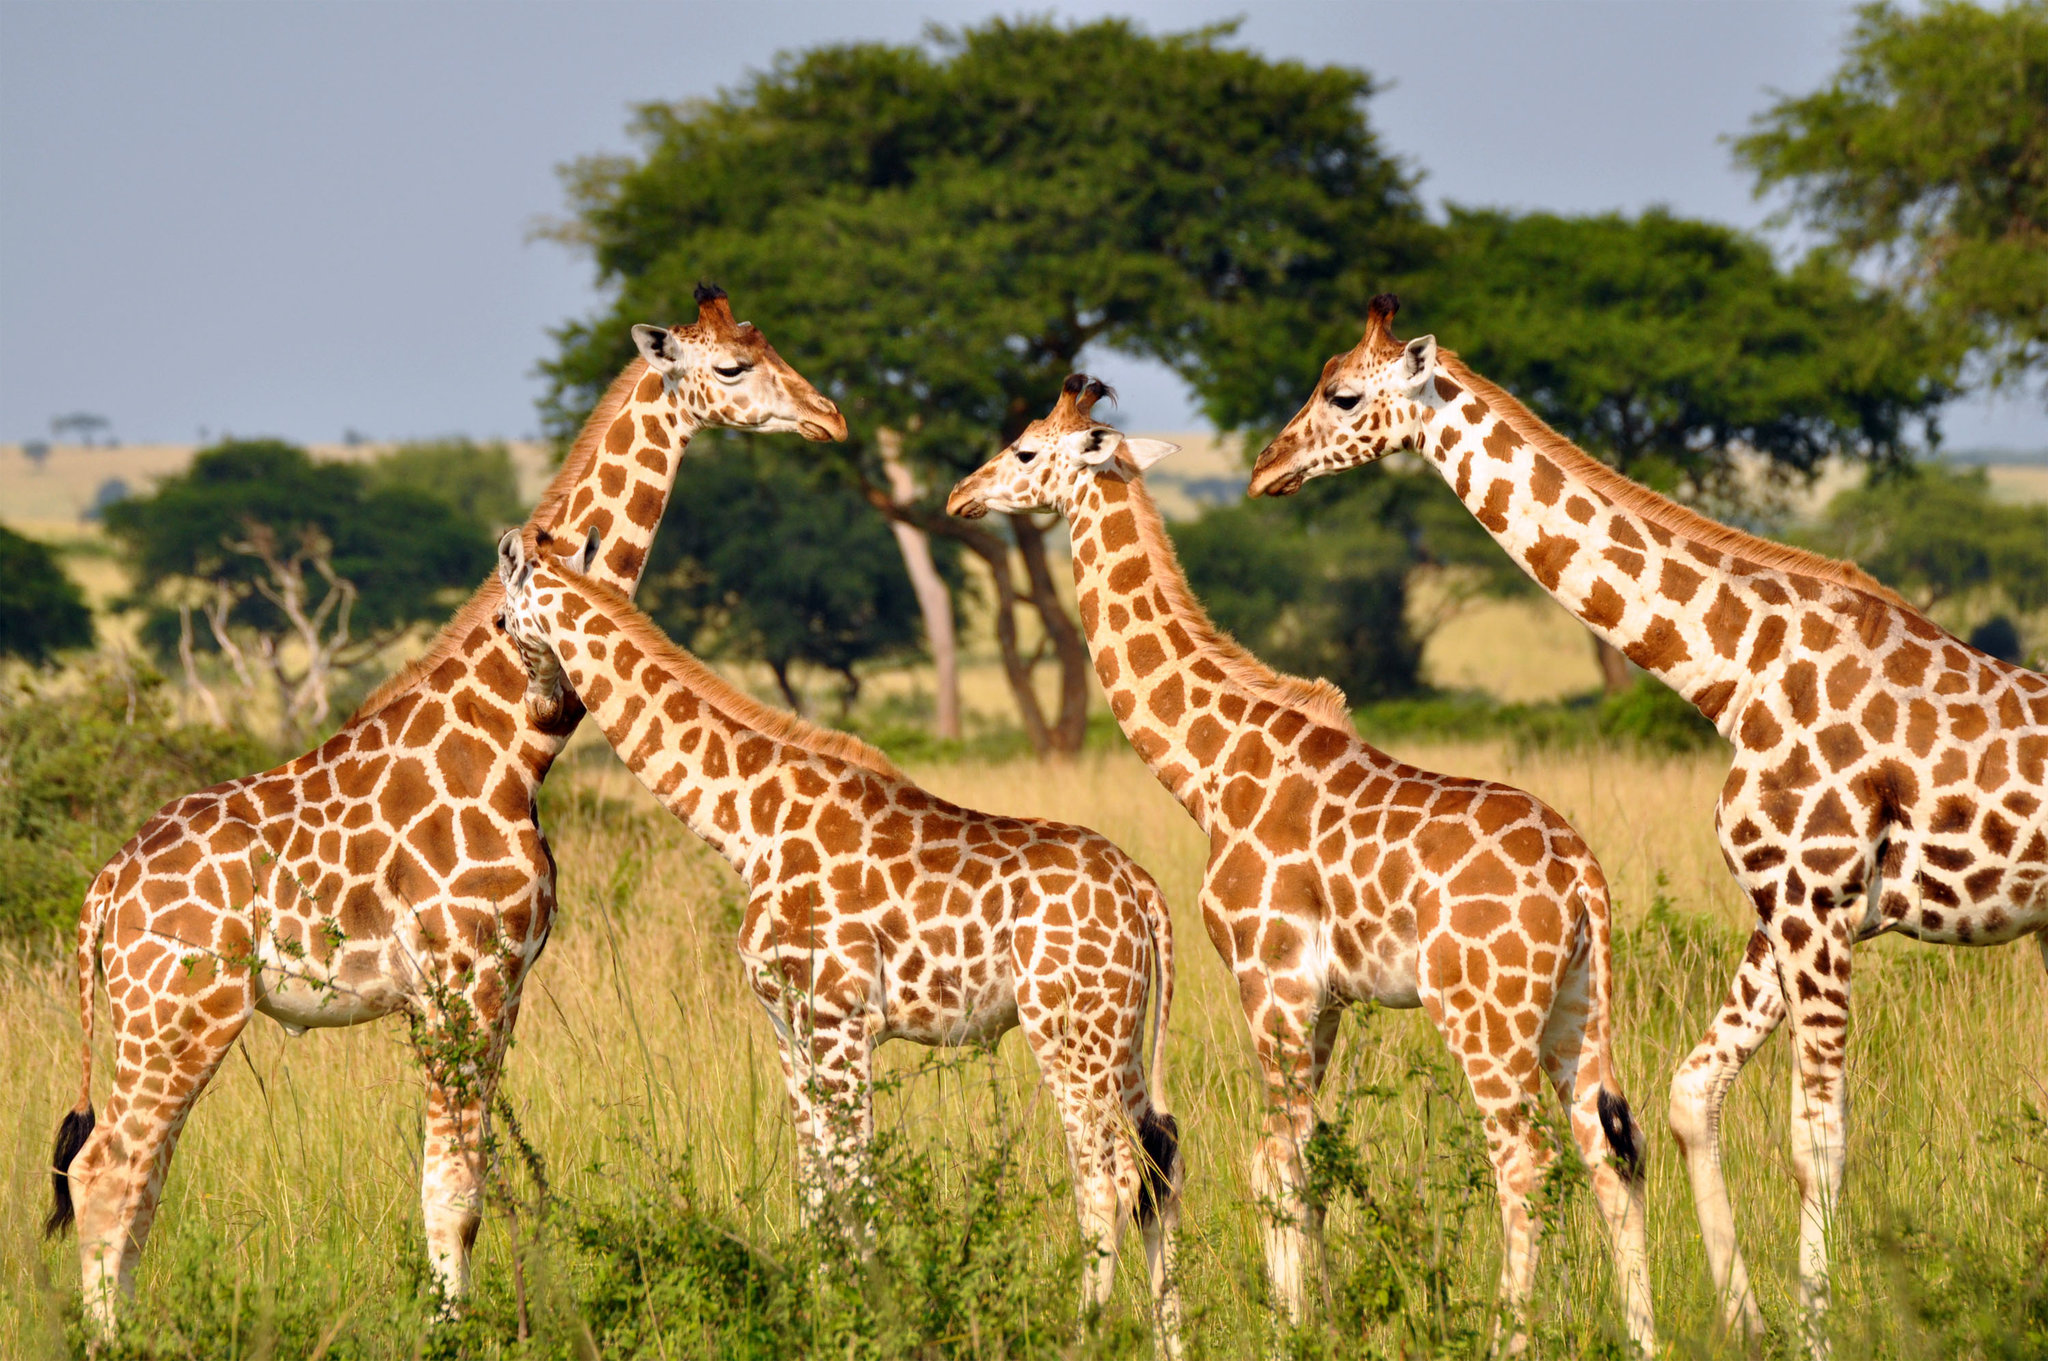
83 763
1649 714
41 609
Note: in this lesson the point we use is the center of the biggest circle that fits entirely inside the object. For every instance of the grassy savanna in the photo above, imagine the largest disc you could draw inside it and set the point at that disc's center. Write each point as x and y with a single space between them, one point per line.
291 1221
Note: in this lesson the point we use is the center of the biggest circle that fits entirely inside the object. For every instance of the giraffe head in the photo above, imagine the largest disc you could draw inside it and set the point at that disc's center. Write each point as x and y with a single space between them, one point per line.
532 592
725 373
1050 462
1373 399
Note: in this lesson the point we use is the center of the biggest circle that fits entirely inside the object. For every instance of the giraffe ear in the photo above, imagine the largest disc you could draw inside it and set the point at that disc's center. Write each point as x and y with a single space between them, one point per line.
511 554
1418 364
591 543
1146 452
657 345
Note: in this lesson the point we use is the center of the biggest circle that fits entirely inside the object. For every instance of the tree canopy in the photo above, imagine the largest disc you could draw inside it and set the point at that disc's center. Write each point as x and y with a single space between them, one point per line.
42 611
405 551
1941 539
1663 344
934 233
1928 152
777 569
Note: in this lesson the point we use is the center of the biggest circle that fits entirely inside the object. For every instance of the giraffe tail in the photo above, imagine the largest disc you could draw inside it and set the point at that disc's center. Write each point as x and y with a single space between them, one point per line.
1624 1139
77 1124
1158 1131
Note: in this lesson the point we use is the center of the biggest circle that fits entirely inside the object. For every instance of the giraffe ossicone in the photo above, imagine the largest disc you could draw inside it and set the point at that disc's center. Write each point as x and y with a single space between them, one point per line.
1337 874
1886 776
397 868
877 911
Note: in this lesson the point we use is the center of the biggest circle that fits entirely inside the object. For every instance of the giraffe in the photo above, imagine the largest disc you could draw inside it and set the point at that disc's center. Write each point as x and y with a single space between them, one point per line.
1886 777
399 867
1337 874
877 911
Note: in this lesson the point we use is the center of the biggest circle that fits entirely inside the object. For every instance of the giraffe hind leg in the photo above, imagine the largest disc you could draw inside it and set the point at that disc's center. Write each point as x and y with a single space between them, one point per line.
117 1178
1575 1055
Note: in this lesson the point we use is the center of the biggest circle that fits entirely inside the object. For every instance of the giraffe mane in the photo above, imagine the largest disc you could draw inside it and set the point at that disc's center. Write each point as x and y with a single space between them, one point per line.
1683 521
1319 699
546 515
743 709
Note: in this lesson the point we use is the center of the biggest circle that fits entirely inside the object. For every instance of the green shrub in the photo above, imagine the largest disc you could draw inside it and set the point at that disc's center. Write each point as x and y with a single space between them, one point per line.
1649 715
84 760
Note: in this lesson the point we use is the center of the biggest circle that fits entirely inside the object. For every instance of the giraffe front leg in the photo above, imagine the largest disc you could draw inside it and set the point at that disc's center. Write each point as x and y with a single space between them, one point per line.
1294 1044
1813 959
461 1040
1752 1010
451 1187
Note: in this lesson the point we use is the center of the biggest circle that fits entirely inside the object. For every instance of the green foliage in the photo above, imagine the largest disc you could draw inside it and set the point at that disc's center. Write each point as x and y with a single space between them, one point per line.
83 763
1660 344
1928 151
1938 536
42 611
762 560
936 231
406 551
1317 584
477 480
1648 714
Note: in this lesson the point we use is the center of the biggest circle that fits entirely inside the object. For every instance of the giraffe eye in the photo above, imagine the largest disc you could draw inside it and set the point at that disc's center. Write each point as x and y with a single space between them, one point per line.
730 371
1344 401
1026 455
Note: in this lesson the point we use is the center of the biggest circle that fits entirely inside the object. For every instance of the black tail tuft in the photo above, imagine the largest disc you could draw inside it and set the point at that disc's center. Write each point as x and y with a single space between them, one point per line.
71 1136
1159 1136
1622 1135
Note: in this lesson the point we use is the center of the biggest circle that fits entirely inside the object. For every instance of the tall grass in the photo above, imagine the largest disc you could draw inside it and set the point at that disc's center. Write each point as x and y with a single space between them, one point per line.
645 1079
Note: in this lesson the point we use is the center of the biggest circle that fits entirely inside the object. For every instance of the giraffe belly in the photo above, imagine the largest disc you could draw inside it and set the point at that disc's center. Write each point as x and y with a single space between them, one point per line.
947 1016
1373 963
346 989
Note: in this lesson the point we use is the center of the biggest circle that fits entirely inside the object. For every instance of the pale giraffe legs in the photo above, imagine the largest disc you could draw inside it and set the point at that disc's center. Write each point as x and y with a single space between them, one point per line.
828 1066
1815 972
1753 1009
1293 1051
451 1187
117 1179
463 1055
1102 1121
1574 1054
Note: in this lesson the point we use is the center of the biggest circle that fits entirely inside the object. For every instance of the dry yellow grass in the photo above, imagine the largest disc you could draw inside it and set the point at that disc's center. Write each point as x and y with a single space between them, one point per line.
303 1157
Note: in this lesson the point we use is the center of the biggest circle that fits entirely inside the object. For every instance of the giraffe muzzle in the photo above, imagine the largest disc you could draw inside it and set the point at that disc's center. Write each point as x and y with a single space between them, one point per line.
966 504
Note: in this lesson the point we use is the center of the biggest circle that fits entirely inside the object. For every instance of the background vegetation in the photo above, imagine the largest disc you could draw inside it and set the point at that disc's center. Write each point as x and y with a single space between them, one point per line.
974 214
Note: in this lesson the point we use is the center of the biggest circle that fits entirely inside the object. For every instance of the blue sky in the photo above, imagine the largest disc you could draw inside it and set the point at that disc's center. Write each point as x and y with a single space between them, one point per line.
303 218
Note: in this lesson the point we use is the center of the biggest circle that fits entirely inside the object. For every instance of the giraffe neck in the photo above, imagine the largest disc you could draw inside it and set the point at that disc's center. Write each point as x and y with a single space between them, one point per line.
716 758
1182 693
617 480
1673 604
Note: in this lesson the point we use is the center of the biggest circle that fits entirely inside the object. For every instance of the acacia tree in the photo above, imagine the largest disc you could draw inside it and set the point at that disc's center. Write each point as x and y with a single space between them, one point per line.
1680 352
940 230
1927 154
293 568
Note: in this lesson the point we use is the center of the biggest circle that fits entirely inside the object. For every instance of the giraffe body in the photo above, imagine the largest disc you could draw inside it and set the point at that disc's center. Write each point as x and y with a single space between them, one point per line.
1337 874
877 911
1886 776
397 868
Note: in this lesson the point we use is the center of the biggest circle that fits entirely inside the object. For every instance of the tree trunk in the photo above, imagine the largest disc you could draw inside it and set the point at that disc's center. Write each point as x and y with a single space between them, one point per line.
1614 676
934 601
790 697
1068 645
996 553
